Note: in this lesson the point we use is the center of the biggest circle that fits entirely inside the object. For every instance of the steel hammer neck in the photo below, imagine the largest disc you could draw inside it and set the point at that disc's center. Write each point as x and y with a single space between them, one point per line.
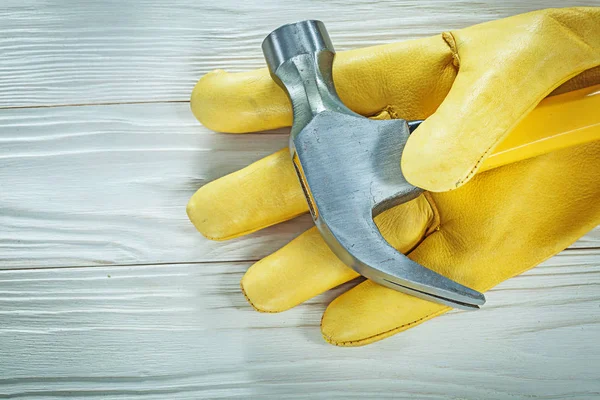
300 59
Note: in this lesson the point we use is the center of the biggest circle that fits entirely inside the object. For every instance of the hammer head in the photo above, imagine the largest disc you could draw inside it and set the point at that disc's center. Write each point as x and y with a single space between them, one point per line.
349 167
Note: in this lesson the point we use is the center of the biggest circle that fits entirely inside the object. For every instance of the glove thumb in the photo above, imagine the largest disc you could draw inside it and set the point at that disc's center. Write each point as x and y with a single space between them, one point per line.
506 68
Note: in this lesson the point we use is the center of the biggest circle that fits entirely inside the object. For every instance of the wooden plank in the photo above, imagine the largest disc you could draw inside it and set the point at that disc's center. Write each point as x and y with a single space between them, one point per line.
109 184
89 186
73 52
185 331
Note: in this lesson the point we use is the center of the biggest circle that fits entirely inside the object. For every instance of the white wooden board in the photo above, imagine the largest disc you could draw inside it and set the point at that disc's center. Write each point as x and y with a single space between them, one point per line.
186 332
109 185
83 52
107 291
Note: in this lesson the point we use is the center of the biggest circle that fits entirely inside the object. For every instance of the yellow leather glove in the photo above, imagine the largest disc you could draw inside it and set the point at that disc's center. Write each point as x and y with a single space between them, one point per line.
474 86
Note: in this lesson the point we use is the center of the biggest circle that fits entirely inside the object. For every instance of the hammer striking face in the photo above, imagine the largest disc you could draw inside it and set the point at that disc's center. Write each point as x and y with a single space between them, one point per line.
349 167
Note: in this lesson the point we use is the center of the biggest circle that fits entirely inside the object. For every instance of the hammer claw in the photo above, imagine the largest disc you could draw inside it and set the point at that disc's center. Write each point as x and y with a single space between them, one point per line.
359 244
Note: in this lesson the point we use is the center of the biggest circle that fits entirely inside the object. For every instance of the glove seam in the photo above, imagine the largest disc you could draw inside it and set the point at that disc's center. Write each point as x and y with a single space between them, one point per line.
252 304
389 332
451 42
390 109
418 321
434 225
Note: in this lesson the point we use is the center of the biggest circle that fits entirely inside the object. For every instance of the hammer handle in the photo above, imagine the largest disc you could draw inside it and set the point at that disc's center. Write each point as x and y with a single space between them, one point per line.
558 122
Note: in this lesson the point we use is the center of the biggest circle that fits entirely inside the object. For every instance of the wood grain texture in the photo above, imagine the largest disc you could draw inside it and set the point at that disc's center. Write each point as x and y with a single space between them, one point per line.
82 52
86 190
186 332
109 185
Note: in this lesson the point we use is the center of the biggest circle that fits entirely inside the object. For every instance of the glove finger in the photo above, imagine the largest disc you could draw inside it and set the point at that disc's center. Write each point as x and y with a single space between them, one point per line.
408 79
262 194
496 87
307 267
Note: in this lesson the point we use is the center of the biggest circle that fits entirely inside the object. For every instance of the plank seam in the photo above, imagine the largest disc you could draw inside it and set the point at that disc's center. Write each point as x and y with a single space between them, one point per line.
149 264
244 261
92 104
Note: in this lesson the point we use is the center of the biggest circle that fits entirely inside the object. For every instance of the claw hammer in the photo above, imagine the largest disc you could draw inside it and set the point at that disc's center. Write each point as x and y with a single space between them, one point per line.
349 165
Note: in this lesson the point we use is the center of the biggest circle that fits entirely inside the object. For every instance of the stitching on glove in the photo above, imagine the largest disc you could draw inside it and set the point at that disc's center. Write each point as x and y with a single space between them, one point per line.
387 333
434 226
568 31
252 304
386 113
391 112
451 42
393 331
